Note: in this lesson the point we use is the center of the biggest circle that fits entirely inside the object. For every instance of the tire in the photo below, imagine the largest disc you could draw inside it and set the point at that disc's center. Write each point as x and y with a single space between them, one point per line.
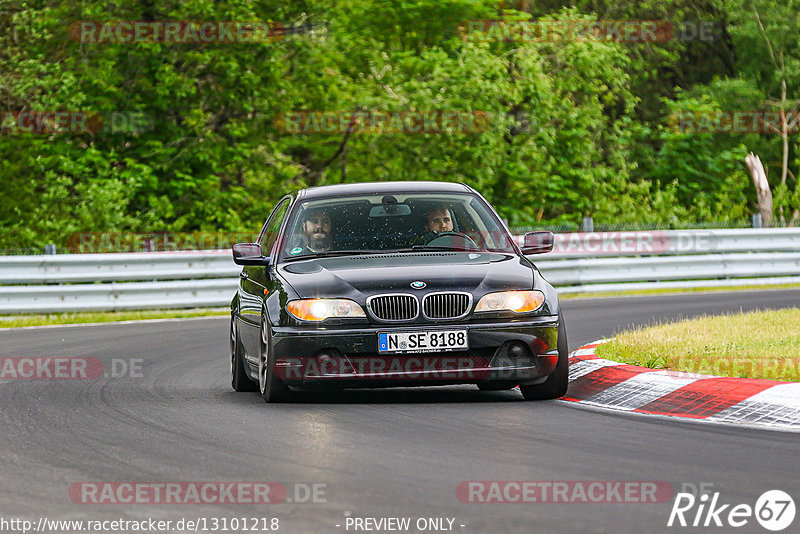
240 381
271 387
556 384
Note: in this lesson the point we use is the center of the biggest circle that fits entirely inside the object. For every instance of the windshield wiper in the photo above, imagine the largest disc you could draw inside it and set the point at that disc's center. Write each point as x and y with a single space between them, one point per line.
439 247
333 253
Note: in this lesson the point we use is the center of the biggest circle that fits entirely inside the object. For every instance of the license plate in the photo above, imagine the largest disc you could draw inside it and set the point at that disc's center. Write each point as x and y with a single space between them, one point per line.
424 341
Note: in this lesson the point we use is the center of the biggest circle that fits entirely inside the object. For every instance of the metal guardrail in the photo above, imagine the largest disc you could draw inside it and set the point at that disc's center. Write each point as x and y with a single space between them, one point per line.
660 268
118 296
580 262
126 266
672 242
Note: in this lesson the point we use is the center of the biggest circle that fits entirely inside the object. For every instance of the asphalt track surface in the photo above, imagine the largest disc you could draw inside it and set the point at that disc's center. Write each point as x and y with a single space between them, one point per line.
398 453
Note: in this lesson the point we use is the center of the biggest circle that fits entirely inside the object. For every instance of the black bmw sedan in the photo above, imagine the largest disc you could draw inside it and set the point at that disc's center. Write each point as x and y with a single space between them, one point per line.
393 284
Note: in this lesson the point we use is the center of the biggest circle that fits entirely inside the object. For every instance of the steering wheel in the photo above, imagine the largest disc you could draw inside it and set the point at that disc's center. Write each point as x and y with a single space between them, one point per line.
468 242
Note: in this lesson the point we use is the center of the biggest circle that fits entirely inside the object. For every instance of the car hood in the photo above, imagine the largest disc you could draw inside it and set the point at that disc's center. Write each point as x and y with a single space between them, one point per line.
357 277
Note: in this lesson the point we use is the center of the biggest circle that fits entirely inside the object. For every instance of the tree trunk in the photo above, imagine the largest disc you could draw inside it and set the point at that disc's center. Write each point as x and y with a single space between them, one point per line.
763 192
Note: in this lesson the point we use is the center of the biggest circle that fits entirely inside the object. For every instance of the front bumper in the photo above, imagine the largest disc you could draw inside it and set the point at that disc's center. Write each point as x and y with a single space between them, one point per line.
519 352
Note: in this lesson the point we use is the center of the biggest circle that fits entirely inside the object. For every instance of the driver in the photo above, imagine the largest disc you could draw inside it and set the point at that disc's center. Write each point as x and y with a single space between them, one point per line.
438 219
317 232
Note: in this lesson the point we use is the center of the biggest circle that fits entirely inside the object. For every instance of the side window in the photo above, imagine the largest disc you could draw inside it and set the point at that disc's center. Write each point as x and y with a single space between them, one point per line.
270 233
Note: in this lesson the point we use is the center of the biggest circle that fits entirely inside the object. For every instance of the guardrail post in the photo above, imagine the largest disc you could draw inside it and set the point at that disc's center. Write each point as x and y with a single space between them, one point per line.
757 220
587 225
50 249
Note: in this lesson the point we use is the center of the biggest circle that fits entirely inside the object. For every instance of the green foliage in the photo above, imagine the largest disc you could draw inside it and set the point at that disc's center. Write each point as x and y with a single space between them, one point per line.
574 128
704 168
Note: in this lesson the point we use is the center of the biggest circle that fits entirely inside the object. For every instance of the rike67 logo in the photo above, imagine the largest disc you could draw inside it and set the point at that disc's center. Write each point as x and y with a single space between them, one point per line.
774 510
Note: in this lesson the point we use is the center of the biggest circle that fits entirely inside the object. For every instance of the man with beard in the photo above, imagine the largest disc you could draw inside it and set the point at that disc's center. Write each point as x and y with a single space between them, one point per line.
317 232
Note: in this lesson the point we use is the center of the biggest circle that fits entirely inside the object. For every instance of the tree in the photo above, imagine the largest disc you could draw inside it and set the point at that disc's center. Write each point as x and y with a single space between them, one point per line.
765 34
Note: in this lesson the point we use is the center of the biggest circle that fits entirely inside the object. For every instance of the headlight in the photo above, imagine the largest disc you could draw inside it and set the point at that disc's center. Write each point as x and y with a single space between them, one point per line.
515 301
321 309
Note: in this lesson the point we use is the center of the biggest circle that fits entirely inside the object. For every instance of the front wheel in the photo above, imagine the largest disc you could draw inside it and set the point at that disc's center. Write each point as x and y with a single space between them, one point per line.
271 387
239 379
556 384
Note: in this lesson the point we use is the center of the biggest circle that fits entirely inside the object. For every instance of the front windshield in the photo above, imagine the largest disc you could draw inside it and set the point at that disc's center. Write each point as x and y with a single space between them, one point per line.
378 223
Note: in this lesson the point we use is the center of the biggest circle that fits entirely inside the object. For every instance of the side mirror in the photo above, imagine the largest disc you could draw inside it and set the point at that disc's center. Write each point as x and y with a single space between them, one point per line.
248 254
537 242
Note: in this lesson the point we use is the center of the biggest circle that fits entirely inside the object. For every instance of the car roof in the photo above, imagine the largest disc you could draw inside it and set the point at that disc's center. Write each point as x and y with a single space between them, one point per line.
364 188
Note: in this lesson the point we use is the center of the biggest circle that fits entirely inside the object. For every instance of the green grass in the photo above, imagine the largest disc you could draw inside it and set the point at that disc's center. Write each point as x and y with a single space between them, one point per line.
13 321
644 292
763 344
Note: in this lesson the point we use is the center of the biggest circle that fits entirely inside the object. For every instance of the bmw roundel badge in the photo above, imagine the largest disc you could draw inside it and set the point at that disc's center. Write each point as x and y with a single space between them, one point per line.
418 284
